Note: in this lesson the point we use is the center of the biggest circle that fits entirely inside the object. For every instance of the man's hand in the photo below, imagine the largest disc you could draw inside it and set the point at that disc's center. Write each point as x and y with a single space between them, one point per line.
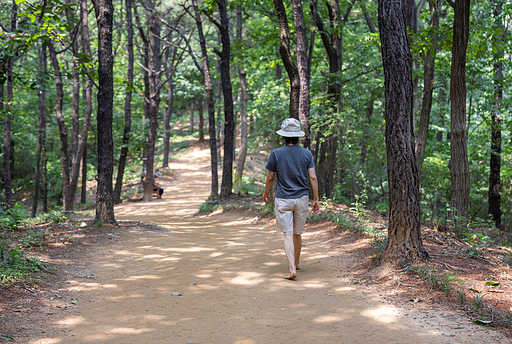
315 207
268 184
265 197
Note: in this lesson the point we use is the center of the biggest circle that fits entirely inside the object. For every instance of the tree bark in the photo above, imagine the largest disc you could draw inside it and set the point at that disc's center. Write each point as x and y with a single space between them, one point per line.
286 56
404 235
242 154
303 68
104 200
153 66
127 105
210 103
8 118
83 195
191 129
82 141
42 126
63 134
459 164
428 87
227 91
200 109
495 160
167 120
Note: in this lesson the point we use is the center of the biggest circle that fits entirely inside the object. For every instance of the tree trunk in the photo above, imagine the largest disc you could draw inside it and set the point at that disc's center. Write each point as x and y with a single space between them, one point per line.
332 39
286 56
104 200
83 195
127 105
404 235
63 134
8 118
210 103
82 142
495 161
191 131
303 67
459 164
152 91
167 121
243 105
44 177
42 126
201 122
229 119
428 87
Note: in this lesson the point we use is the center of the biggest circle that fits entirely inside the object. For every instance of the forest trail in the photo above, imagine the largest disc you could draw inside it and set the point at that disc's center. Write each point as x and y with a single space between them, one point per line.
229 274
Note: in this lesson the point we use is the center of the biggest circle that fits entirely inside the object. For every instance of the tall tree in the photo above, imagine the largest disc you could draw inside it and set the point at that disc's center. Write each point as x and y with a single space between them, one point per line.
171 51
205 70
459 164
243 103
495 161
127 104
104 199
42 124
303 68
227 92
404 236
332 39
428 87
63 133
8 116
288 61
81 141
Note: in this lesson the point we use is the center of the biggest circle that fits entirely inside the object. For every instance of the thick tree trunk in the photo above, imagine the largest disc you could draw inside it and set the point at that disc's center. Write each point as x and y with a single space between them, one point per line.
82 141
210 103
495 161
303 67
428 87
286 56
459 164
44 177
404 235
104 200
127 105
242 154
42 126
63 134
227 91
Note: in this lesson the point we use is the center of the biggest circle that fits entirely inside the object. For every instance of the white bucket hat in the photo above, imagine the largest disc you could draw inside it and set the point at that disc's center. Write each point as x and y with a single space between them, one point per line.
290 128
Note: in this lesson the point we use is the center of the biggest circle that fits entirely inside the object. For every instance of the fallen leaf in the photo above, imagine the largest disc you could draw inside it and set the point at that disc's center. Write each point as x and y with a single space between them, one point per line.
4 337
175 294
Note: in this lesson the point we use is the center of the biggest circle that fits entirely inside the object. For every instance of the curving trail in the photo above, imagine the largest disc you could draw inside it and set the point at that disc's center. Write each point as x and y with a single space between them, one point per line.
229 273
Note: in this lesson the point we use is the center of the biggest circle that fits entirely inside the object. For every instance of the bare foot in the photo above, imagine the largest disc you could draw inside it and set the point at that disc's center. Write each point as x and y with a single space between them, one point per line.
291 276
297 268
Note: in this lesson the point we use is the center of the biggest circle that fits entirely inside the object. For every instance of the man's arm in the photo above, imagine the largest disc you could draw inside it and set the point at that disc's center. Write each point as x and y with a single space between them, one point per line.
268 184
314 186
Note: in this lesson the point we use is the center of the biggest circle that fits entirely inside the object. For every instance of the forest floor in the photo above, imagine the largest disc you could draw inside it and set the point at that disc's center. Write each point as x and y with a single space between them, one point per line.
169 274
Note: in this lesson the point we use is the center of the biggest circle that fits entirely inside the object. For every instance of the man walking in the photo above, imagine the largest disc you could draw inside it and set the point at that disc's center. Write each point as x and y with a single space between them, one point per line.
292 164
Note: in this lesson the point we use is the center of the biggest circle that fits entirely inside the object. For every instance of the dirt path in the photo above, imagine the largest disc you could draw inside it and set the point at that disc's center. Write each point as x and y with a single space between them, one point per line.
229 274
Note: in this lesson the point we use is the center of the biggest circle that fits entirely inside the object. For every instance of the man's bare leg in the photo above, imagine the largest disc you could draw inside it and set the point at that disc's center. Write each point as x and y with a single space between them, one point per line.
290 254
297 246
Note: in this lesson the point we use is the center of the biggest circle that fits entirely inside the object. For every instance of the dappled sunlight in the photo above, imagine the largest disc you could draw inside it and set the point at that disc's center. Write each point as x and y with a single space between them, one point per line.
248 278
383 313
329 318
126 330
71 321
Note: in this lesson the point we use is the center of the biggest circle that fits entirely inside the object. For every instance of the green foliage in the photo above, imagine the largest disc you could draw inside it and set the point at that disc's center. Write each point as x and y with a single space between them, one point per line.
13 218
16 265
476 241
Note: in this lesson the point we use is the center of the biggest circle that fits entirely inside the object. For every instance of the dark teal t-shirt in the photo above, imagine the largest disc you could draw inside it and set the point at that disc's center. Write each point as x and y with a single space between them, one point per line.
291 164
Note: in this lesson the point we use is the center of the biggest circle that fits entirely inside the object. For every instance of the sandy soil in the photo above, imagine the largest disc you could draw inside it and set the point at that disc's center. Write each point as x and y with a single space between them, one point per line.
220 279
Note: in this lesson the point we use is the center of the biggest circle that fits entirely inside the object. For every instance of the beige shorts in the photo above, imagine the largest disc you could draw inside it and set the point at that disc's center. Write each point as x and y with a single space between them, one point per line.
291 214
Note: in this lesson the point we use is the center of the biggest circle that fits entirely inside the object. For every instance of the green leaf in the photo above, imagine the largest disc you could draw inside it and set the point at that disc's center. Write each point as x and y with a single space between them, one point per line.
493 284
4 337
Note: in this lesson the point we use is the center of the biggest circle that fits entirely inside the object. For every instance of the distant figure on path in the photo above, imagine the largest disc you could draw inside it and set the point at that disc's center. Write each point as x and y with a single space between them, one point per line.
157 189
292 164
